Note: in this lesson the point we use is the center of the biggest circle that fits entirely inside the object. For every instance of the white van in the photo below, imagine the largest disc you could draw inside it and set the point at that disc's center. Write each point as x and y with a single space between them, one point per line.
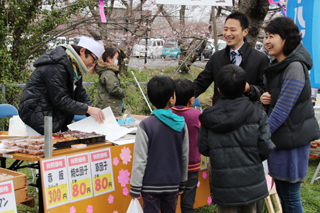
154 48
59 41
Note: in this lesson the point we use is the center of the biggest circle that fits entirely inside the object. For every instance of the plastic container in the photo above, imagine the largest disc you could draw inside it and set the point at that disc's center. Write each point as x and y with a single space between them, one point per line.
35 152
17 127
36 147
34 141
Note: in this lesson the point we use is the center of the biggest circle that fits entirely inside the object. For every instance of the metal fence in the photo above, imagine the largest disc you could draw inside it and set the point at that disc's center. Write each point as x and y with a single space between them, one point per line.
11 94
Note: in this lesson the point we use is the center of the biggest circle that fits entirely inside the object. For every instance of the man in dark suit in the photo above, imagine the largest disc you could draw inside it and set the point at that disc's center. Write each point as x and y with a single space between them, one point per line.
238 52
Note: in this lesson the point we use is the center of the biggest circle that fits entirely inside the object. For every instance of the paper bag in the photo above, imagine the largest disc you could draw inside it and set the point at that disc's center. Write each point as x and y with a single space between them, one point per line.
134 206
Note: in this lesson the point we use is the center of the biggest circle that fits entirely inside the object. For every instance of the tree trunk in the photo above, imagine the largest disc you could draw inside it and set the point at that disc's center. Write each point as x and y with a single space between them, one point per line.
214 27
185 62
256 11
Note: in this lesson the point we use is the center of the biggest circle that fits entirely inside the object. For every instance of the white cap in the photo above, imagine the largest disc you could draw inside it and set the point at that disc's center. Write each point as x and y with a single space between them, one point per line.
91 45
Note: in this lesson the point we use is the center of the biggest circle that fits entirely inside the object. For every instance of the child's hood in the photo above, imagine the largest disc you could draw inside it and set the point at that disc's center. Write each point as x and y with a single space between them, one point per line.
172 120
226 115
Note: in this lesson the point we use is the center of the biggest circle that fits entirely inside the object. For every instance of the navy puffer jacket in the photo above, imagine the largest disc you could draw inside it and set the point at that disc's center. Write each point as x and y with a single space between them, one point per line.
236 136
50 92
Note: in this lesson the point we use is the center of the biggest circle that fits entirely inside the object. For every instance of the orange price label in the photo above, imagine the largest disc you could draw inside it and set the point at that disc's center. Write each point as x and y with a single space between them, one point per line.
81 189
57 194
103 183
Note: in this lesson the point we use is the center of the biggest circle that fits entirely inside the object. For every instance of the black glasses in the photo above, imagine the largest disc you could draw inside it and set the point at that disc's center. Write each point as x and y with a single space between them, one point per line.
95 60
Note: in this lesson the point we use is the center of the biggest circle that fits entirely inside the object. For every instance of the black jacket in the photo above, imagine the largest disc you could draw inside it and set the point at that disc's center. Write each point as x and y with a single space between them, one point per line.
236 136
253 62
50 92
301 127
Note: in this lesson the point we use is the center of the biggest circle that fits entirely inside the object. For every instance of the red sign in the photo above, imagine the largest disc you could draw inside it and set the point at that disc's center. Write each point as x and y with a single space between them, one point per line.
55 164
100 155
80 159
6 188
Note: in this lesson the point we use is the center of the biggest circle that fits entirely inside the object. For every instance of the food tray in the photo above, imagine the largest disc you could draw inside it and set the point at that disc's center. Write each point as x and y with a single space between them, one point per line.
93 140
65 144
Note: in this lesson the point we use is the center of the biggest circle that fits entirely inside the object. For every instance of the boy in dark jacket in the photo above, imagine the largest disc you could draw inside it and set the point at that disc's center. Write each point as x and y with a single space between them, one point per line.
185 91
236 136
160 158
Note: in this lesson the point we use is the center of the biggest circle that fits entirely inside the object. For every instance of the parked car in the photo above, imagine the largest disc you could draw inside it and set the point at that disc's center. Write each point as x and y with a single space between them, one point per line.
259 45
59 41
171 50
210 49
74 40
154 48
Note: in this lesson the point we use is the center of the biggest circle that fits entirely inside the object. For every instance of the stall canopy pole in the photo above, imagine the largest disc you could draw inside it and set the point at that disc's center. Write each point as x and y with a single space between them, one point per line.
141 91
47 136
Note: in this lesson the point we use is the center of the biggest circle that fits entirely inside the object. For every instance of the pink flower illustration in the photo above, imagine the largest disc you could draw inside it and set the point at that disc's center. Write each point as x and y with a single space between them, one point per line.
125 155
72 209
125 191
115 161
204 175
110 199
89 209
209 200
123 177
198 185
115 212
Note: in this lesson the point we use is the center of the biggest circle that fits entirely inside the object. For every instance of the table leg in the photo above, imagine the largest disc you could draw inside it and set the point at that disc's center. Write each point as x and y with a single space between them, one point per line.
41 208
315 174
3 162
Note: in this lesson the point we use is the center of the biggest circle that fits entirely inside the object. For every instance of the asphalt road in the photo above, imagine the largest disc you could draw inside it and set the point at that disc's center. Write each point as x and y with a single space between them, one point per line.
139 63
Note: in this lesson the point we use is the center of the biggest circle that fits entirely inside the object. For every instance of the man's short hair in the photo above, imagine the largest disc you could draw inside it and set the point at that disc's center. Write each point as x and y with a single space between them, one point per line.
160 89
185 90
78 48
231 80
244 22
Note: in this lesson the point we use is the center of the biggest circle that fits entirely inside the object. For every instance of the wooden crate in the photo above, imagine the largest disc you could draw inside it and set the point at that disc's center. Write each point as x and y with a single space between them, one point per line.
21 195
19 179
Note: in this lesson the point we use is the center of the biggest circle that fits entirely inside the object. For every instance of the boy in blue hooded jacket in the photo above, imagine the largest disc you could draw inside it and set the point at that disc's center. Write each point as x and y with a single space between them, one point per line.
160 159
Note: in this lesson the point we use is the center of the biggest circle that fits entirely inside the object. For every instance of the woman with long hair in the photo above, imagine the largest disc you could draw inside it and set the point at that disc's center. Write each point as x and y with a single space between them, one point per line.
289 107
110 92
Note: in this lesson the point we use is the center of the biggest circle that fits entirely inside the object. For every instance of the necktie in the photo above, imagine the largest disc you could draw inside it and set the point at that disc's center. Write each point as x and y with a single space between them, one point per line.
233 57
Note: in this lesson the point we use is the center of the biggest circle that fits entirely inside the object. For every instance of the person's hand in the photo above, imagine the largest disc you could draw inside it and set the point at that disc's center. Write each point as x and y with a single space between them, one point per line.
265 98
180 192
96 113
247 88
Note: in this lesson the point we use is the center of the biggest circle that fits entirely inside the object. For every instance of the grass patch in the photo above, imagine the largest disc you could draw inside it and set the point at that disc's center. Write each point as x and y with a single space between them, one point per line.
134 101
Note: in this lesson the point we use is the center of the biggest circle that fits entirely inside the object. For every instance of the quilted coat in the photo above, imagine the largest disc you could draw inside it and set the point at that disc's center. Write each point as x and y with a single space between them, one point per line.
51 91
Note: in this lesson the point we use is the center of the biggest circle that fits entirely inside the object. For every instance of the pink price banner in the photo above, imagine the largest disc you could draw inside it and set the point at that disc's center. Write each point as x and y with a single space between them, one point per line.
101 11
276 1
